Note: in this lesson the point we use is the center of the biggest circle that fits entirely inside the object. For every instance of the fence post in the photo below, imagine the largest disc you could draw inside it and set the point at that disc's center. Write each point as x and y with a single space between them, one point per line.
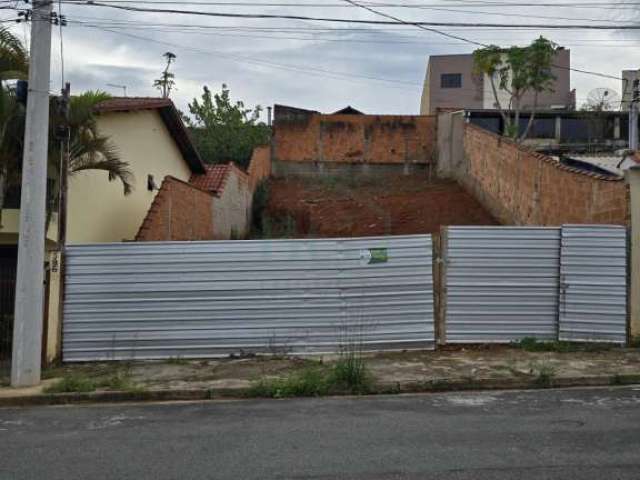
633 179
440 285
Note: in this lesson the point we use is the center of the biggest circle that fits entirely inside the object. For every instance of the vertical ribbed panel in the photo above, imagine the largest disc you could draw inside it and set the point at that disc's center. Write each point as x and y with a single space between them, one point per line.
502 283
593 300
206 299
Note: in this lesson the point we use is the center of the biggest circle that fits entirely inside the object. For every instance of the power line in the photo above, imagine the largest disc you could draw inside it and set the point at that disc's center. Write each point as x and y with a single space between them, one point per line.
473 42
237 58
447 7
418 24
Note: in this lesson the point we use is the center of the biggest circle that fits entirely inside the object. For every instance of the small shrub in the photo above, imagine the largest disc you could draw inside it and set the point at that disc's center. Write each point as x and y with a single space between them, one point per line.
72 383
259 206
350 373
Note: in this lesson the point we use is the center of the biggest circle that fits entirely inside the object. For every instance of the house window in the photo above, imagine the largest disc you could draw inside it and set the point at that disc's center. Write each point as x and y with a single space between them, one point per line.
451 80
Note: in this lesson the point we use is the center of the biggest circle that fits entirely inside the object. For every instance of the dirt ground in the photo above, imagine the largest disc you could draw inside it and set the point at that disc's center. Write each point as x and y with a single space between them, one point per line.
454 364
332 206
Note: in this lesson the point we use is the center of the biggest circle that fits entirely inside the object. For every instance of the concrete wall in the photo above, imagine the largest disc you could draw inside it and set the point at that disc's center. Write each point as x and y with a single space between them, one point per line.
450 144
317 139
259 166
232 208
522 187
179 211
98 209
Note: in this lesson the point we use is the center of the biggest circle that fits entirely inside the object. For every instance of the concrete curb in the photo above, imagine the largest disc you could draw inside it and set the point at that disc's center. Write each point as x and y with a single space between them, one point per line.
441 385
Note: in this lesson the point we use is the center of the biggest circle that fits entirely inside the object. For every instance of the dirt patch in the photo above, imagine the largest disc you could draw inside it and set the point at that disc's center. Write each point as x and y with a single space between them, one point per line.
394 205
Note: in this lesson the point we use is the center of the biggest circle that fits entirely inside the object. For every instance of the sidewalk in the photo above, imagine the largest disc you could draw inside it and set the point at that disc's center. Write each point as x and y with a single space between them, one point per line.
487 367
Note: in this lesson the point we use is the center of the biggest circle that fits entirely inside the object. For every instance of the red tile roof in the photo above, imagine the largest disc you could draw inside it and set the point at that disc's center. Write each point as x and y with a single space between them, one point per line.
125 104
214 178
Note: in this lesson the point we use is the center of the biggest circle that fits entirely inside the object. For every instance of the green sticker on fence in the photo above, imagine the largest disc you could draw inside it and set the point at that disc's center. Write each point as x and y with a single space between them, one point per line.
378 255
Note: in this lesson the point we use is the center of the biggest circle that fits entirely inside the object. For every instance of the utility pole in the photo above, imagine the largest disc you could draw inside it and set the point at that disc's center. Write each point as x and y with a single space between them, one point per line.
269 115
633 116
27 328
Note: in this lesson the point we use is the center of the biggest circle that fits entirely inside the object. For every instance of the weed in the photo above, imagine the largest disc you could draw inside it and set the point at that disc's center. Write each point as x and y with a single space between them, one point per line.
72 383
350 373
616 380
308 382
120 381
544 374
531 344
177 361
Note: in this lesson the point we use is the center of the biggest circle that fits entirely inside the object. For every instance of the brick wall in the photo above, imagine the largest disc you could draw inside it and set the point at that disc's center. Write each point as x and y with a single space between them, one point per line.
259 166
374 139
179 211
522 187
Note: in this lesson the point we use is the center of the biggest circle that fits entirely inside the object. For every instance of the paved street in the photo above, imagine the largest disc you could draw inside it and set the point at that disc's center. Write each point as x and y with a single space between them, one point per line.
582 434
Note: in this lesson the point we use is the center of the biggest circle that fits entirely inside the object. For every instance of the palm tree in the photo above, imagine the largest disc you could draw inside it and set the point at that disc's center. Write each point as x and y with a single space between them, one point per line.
14 63
88 148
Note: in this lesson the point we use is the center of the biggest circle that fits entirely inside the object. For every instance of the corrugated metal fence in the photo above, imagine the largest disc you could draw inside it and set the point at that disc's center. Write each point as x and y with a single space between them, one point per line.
593 284
207 299
504 283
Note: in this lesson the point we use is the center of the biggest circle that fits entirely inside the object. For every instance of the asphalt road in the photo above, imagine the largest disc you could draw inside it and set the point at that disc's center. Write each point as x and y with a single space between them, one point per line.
560 434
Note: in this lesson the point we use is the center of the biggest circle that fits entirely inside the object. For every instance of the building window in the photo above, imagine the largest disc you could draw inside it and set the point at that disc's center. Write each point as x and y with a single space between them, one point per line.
451 80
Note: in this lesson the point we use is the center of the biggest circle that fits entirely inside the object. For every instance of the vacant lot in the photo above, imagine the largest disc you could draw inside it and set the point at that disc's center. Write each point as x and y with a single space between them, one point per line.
395 205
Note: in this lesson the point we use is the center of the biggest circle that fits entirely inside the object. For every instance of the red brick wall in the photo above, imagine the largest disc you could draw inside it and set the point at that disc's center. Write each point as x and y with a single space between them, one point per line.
260 165
380 139
522 187
179 211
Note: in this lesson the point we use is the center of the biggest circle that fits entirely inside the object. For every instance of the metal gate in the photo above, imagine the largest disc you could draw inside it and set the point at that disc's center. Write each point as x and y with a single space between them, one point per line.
501 283
207 299
593 272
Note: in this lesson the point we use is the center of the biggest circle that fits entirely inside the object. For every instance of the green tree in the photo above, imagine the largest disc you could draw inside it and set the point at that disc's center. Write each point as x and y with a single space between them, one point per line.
166 82
517 71
224 130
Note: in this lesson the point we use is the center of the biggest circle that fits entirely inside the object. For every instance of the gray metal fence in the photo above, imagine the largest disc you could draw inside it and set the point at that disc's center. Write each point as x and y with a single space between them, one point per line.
208 299
501 283
593 284
507 283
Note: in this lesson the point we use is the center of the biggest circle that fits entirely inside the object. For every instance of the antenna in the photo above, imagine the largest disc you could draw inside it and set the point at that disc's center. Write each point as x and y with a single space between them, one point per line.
123 87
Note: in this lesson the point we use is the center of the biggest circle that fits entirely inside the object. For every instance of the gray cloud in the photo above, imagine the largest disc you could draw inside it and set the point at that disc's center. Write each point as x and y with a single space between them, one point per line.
246 59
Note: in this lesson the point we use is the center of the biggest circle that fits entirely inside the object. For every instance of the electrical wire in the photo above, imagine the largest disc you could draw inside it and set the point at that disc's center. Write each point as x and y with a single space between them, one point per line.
394 21
314 71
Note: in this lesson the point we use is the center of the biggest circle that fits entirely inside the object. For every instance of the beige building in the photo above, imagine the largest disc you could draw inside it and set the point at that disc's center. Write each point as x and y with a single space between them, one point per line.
150 136
451 84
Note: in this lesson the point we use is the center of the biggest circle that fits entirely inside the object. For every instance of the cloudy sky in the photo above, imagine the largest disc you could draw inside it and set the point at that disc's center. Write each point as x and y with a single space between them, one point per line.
320 65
